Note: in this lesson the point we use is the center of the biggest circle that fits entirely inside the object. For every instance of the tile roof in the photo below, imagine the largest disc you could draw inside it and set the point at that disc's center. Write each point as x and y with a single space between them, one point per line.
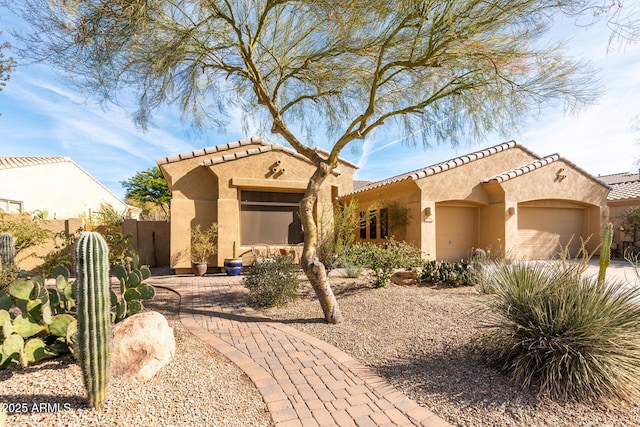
468 158
443 166
618 178
359 183
513 173
625 190
262 146
8 162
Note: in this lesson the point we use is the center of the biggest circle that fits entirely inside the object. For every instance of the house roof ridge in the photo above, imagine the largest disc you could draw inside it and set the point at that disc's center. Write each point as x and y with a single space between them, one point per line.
261 149
445 165
536 164
254 140
524 169
8 162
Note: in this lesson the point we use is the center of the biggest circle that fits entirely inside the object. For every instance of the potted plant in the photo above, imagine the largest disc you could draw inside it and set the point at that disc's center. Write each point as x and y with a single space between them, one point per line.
233 266
203 245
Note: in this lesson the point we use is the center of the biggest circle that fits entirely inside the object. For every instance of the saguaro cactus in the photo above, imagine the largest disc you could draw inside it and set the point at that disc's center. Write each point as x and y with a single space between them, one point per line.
605 252
94 318
7 249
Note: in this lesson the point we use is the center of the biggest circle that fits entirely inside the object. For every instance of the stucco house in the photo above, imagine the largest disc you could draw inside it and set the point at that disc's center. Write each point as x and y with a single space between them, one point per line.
251 188
504 198
53 184
625 193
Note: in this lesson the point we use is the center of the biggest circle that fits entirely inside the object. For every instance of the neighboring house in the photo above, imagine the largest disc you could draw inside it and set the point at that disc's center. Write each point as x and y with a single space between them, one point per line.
504 198
625 194
251 189
53 184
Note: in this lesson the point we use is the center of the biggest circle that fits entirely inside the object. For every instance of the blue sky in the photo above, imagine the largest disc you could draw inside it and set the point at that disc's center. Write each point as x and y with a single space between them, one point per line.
41 116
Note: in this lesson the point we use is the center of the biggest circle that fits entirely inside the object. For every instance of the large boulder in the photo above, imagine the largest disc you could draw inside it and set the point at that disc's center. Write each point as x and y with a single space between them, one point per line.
141 345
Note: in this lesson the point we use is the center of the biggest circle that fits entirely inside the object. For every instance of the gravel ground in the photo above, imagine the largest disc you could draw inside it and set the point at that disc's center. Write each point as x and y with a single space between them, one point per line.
421 340
199 387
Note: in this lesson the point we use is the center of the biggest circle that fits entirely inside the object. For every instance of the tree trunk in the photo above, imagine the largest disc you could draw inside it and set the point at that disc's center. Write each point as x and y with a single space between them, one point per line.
313 268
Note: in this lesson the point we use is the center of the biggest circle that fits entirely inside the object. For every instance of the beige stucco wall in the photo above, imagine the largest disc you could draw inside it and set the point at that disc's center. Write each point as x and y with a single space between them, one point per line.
63 189
543 187
495 204
205 194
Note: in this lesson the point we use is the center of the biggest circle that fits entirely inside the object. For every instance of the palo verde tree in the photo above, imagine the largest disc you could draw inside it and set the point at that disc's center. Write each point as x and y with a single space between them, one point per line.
7 65
446 70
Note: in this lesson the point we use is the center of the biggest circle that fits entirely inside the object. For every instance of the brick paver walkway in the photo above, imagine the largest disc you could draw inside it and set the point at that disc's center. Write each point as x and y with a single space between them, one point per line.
304 381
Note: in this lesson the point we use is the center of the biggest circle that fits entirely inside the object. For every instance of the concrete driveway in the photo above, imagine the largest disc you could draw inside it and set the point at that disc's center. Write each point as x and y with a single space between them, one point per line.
620 271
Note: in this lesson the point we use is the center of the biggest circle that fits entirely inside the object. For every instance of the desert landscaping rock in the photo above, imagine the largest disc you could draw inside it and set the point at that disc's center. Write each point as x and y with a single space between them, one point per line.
198 387
141 345
404 278
423 340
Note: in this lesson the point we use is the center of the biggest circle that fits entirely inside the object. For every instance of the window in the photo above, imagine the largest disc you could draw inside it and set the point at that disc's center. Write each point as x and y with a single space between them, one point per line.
270 217
384 223
10 206
363 225
373 225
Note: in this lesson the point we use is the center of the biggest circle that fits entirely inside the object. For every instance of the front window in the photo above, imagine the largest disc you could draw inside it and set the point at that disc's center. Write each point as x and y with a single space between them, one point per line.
270 217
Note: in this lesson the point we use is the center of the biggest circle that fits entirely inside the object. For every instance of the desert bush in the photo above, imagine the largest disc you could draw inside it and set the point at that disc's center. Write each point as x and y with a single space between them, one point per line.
337 233
62 253
272 282
27 231
453 274
564 334
354 259
384 259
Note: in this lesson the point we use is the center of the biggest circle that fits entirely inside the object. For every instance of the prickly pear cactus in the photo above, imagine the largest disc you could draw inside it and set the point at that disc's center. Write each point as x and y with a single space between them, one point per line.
605 252
94 318
7 249
133 290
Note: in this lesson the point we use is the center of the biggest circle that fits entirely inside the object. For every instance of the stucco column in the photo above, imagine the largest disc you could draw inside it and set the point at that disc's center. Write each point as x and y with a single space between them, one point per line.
428 228
228 229
510 229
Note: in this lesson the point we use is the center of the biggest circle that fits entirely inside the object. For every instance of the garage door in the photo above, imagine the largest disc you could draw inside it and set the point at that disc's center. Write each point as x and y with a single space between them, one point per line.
543 231
456 232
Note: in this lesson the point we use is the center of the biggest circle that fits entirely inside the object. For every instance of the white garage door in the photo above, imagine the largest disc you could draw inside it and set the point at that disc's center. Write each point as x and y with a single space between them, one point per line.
542 232
455 232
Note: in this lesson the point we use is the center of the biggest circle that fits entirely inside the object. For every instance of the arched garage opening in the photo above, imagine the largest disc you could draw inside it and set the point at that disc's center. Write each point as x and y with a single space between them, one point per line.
456 230
545 227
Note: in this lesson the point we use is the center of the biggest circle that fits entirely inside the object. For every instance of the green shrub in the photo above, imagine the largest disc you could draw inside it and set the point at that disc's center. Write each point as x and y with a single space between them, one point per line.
62 253
384 259
273 282
27 231
447 273
563 333
354 259
336 233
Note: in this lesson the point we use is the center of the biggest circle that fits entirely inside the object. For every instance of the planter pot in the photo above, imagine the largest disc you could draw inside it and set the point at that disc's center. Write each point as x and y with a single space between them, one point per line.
233 266
199 268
